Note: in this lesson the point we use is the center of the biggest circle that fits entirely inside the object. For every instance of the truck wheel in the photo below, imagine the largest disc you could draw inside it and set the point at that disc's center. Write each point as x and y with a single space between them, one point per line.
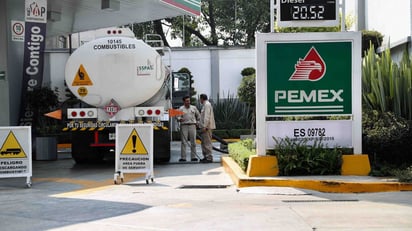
161 149
82 152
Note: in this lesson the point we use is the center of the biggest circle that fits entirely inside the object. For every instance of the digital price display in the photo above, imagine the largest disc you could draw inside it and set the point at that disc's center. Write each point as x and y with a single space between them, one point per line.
308 13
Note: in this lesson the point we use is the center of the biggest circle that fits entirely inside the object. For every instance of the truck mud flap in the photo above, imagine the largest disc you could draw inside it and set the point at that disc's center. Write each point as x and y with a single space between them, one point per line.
161 147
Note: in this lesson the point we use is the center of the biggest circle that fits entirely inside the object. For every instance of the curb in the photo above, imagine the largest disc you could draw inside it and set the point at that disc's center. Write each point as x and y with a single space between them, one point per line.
240 179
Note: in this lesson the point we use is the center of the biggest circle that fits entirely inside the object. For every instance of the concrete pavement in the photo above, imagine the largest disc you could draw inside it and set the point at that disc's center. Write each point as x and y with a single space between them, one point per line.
190 196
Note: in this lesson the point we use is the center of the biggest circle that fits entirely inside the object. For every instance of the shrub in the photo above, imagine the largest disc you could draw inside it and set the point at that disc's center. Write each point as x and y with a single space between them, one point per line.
248 71
230 113
387 86
370 37
241 151
221 133
230 133
247 90
404 175
298 158
386 138
41 101
247 94
236 133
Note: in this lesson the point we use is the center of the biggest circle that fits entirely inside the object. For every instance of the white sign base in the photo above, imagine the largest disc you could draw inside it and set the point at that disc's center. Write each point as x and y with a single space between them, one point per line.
332 133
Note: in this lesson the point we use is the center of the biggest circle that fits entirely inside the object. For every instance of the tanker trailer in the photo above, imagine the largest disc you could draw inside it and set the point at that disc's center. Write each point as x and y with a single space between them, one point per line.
119 79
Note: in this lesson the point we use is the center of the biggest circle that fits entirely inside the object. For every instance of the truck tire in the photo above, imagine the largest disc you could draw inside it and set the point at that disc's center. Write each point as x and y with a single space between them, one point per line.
161 147
82 152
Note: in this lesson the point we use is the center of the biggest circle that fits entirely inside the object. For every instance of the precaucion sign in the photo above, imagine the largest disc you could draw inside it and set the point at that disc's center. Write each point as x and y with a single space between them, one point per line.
134 150
15 152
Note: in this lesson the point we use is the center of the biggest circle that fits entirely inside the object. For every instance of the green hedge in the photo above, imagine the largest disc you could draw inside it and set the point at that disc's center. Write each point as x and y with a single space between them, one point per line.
299 158
386 138
241 151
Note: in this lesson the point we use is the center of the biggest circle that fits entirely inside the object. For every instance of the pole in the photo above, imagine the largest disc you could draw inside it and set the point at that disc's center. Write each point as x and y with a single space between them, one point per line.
342 25
183 32
272 16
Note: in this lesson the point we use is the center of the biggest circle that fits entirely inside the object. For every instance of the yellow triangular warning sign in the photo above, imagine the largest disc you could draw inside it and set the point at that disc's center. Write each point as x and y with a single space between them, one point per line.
82 78
11 148
134 145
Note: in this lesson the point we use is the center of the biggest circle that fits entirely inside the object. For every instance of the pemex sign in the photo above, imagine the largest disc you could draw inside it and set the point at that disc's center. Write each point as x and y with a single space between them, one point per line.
315 78
305 75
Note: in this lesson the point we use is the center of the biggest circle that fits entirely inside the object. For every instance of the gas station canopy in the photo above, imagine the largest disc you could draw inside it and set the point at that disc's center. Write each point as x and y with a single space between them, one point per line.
71 16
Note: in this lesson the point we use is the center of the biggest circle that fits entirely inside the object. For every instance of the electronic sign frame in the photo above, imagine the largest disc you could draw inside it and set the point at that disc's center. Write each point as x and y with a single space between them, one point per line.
308 13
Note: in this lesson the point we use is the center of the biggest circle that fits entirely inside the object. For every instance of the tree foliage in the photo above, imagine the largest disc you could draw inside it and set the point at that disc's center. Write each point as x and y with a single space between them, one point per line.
41 101
152 27
222 22
247 92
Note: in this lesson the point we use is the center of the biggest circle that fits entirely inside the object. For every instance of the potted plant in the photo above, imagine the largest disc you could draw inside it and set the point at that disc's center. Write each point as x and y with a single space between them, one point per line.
44 129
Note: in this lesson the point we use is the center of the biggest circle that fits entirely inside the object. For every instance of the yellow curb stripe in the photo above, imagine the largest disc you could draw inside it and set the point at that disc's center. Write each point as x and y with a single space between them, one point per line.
81 192
85 184
241 180
88 186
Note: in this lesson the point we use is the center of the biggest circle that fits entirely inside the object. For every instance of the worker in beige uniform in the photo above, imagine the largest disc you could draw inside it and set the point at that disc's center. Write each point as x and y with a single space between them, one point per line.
188 123
207 124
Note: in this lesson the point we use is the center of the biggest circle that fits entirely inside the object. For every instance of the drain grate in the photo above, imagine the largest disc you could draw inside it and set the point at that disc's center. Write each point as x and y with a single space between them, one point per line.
203 186
318 201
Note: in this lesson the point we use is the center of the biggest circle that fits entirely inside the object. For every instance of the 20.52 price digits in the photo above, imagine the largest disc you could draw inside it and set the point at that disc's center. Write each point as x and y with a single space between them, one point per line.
308 12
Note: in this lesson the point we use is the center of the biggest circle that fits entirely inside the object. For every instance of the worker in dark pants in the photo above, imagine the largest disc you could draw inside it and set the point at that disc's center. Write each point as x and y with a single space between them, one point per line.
188 123
207 124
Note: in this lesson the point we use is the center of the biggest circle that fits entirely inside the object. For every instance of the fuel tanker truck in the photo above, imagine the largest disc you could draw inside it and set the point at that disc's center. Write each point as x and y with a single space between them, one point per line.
119 79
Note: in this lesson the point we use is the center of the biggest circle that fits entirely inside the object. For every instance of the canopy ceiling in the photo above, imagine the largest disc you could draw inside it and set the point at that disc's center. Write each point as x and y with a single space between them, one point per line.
70 16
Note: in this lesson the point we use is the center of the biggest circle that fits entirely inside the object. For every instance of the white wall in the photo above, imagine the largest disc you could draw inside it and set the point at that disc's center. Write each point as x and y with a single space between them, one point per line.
230 64
198 62
391 18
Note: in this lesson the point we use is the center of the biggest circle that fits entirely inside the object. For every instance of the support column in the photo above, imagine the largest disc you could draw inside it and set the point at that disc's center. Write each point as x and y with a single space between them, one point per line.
215 76
4 84
360 8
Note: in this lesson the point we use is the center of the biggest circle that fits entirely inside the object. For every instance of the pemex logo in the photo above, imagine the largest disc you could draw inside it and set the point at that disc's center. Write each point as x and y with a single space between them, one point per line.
311 68
34 10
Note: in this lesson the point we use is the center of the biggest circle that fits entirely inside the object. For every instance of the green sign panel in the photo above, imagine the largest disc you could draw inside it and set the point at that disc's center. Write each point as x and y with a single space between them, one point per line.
305 78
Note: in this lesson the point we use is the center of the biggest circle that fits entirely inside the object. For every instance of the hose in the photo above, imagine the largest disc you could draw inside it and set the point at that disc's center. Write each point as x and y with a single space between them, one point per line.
218 139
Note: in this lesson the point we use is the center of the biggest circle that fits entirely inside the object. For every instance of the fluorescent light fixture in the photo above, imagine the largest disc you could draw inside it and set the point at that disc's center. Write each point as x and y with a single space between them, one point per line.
110 5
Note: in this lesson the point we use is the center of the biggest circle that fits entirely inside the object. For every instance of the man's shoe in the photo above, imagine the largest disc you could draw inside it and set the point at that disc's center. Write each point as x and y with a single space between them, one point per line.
205 160
182 160
195 159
